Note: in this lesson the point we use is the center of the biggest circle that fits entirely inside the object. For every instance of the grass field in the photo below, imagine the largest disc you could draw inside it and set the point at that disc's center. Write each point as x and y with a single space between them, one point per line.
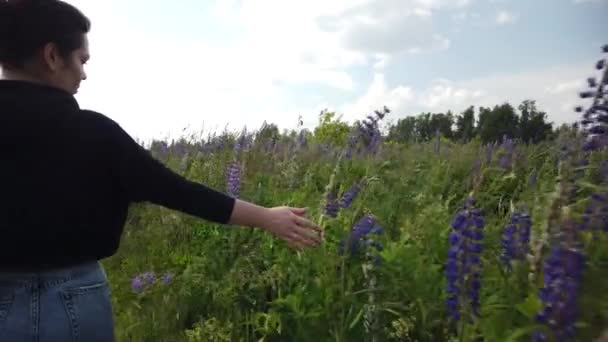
407 279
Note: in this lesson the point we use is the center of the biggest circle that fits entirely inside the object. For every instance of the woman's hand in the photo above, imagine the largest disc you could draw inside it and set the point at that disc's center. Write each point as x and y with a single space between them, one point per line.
285 223
290 225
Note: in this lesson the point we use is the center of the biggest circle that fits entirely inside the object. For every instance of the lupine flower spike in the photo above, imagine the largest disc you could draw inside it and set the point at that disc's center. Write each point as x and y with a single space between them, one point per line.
463 267
515 239
563 272
350 195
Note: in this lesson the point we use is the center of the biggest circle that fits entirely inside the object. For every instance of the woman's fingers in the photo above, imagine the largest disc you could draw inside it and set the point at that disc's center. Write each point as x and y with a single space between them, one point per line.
303 222
303 237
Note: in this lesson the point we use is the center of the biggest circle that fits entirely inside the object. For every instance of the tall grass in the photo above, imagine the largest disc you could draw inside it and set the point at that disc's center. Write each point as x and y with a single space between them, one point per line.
235 284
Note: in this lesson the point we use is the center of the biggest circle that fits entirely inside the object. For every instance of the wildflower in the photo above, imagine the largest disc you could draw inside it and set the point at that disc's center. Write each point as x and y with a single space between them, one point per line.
350 195
600 64
595 217
463 270
506 157
592 82
578 109
488 153
166 278
605 48
138 284
141 281
331 204
563 273
149 277
515 239
233 179
532 179
365 226
352 142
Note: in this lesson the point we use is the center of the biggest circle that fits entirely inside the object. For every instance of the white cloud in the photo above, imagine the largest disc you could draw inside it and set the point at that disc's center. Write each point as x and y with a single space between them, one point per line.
505 17
156 80
555 90
376 96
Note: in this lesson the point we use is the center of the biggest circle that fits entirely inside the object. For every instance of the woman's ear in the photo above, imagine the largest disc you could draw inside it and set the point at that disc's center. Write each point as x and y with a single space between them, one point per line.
51 57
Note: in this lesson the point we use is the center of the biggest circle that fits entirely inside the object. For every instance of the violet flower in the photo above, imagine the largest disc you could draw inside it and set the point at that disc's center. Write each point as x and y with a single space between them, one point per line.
515 239
463 269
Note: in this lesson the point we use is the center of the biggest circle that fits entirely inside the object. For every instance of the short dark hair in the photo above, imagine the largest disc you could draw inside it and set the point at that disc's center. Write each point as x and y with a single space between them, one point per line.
28 25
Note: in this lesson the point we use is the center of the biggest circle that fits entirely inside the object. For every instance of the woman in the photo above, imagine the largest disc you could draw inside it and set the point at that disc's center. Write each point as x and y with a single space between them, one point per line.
67 177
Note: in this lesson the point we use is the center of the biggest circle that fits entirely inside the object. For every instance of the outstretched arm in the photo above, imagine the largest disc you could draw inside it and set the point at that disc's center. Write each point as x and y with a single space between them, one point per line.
143 178
286 223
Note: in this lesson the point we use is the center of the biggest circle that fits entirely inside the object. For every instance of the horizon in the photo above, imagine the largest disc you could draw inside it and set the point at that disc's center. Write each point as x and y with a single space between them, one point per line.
156 69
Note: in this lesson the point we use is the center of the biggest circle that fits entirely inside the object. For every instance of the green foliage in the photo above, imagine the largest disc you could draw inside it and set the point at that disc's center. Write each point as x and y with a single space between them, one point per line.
331 131
465 125
492 124
235 284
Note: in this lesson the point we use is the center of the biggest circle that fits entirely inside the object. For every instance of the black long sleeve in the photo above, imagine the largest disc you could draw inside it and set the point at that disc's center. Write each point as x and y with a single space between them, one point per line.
143 178
68 177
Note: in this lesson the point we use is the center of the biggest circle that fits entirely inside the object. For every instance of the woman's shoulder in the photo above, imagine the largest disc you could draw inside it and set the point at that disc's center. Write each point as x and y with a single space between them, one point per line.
103 126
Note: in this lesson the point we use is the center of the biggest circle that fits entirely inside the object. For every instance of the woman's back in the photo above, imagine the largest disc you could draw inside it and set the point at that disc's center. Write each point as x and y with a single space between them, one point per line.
60 202
69 176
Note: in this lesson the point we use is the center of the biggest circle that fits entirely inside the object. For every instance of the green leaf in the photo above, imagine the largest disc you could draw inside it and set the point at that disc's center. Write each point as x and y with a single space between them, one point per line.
523 331
355 320
530 307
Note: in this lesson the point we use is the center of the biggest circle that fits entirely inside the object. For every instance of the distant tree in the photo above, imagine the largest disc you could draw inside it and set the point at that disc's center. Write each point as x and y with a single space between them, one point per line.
442 123
404 131
267 132
532 125
465 125
424 131
494 124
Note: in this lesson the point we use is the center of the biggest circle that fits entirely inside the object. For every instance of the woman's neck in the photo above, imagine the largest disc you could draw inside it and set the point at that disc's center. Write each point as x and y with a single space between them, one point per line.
14 75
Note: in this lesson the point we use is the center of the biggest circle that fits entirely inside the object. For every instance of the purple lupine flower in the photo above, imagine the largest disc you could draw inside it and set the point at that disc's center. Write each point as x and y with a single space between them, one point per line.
600 64
233 179
141 281
364 227
352 142
592 82
595 143
370 131
532 179
563 272
463 269
488 153
350 195
138 283
515 239
595 217
375 142
506 156
578 109
331 205
149 277
605 48
166 278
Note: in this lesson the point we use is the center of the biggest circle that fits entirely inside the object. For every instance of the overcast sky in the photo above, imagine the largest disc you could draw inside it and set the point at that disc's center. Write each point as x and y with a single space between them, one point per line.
160 66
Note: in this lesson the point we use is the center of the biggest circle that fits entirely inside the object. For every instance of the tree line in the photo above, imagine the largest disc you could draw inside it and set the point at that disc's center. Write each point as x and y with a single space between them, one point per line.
490 124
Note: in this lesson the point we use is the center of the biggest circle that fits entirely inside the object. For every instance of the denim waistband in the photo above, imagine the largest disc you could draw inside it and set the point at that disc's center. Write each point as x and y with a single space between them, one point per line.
52 276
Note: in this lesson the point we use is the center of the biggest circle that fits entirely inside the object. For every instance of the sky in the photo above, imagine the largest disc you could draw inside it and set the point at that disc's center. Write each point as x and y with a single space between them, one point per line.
163 69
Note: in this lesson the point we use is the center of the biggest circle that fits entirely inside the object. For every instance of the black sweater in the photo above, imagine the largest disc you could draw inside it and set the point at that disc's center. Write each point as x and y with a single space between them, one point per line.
68 176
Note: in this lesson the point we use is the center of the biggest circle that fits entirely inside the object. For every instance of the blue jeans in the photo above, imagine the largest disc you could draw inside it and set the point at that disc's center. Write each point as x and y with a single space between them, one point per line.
68 304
